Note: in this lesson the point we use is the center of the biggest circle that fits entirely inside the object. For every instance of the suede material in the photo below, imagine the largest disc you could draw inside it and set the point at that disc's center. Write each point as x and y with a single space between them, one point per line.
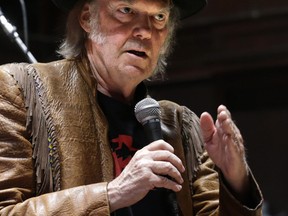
79 131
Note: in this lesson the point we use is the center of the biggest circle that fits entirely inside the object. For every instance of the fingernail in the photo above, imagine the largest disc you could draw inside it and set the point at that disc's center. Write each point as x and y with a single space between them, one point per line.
179 187
183 169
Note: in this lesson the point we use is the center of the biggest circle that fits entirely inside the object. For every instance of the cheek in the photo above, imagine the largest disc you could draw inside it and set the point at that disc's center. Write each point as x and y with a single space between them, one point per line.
160 41
108 49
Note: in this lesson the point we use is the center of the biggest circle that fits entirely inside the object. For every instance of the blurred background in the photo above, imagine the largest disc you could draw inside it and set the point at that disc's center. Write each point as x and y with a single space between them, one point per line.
233 53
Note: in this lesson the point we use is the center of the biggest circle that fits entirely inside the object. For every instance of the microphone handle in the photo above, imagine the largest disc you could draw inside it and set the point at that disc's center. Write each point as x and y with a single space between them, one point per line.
153 132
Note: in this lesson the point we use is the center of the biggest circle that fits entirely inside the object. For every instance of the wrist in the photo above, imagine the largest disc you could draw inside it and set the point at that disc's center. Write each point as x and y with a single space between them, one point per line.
239 186
113 196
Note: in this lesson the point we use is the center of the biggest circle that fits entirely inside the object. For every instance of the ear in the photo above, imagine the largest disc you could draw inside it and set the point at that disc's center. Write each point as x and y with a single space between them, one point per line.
85 17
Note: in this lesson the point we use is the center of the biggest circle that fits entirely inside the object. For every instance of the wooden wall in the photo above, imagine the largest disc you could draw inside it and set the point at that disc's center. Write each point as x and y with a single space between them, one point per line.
236 53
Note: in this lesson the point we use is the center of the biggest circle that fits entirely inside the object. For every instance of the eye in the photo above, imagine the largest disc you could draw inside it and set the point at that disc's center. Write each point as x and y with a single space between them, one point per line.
160 17
126 10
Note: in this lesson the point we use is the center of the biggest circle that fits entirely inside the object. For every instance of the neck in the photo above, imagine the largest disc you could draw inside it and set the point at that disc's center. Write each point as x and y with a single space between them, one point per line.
125 97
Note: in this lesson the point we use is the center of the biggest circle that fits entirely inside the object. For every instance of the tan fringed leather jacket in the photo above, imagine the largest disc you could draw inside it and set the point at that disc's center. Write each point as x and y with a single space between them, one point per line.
55 156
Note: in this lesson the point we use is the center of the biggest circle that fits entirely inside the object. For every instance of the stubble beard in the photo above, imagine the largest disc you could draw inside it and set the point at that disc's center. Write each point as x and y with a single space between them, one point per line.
96 35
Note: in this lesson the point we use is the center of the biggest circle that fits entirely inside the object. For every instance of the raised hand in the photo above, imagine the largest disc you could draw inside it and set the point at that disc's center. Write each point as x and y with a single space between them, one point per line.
148 169
224 144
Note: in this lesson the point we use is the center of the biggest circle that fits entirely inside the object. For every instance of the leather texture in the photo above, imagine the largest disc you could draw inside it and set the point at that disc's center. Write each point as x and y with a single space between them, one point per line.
55 157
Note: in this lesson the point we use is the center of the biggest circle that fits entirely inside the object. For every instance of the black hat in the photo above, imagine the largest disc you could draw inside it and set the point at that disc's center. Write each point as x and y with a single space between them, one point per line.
186 7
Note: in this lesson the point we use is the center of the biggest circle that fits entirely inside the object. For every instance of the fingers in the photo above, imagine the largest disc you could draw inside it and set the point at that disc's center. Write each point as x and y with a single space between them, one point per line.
158 158
167 169
169 157
207 126
224 144
162 151
228 127
164 182
221 137
154 166
159 145
223 108
223 126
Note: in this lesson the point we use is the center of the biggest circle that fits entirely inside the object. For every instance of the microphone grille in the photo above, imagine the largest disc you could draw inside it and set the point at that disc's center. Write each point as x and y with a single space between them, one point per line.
147 109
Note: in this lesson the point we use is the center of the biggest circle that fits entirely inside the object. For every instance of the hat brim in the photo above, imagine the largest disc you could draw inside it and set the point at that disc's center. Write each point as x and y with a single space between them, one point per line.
187 8
64 5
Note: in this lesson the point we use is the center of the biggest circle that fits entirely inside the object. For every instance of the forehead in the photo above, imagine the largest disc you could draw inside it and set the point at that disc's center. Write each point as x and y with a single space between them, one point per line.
167 2
159 3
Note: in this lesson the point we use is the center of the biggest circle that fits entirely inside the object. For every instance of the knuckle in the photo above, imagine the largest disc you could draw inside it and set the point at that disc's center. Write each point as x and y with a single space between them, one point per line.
138 153
170 168
168 155
165 181
141 164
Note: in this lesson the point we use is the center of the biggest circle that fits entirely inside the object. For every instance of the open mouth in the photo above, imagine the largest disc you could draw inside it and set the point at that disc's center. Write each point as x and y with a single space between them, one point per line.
138 53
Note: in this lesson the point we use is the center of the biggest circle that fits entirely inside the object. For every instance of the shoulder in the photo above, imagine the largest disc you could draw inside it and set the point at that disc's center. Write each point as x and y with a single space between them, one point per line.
179 112
53 68
180 120
8 71
10 90
183 119
21 69
16 78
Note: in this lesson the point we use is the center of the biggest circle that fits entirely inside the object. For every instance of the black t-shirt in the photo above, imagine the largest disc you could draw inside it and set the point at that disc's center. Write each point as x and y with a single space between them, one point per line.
126 136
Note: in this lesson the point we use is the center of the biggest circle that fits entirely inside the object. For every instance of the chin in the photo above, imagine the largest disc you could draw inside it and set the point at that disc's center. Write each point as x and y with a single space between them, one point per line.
134 71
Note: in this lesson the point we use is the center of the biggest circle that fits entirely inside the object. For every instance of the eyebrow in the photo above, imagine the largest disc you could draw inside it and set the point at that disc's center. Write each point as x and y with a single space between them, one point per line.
128 1
167 8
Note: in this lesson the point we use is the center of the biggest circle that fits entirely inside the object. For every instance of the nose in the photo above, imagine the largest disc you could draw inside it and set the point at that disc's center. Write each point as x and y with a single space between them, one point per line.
143 27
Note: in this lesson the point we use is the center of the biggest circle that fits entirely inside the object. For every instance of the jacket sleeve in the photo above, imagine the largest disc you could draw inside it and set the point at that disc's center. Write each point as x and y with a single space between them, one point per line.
210 195
17 172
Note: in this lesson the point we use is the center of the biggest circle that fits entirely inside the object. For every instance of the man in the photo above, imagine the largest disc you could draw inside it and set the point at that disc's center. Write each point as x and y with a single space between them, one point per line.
70 144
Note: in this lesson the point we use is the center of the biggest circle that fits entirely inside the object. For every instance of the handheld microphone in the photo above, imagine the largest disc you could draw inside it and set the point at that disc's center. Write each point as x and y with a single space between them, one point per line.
148 113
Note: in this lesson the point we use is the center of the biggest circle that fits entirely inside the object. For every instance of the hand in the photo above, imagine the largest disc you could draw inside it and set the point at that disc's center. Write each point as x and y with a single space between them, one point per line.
146 171
224 144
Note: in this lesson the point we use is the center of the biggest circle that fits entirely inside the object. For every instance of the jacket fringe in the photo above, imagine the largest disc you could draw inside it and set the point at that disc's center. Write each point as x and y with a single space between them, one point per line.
192 143
40 127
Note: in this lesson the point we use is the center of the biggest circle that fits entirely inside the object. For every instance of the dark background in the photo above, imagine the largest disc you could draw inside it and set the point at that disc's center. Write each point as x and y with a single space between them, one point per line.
233 53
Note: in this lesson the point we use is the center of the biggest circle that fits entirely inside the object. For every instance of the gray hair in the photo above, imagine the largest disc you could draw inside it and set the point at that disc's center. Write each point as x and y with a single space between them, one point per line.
73 45
169 43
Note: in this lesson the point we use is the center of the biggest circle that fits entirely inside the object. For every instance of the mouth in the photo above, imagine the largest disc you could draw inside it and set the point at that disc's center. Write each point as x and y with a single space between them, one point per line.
138 53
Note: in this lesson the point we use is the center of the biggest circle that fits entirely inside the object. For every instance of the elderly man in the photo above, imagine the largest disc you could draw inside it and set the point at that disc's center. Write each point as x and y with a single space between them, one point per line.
71 145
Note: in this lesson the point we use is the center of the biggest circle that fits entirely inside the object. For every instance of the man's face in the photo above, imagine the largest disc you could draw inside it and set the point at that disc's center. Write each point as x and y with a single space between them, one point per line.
132 34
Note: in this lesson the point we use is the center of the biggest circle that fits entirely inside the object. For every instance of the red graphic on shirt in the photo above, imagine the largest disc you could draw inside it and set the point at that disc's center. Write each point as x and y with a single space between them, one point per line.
122 151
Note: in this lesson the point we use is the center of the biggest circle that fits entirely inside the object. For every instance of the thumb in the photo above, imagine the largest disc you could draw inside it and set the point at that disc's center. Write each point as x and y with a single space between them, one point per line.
207 126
